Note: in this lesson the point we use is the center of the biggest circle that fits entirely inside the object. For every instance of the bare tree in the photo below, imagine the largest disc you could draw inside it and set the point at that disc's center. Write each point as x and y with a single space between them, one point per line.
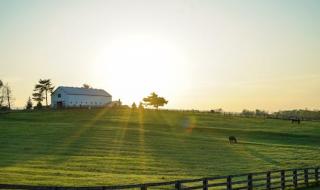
7 95
1 93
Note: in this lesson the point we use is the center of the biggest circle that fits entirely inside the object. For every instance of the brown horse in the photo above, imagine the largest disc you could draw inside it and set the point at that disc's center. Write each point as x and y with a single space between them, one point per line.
295 120
232 139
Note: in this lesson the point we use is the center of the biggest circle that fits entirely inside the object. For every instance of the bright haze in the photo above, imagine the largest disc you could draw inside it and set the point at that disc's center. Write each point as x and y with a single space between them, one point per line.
198 54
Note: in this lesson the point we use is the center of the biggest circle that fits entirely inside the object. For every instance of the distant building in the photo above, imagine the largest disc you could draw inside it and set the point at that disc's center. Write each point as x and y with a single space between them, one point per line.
79 97
115 104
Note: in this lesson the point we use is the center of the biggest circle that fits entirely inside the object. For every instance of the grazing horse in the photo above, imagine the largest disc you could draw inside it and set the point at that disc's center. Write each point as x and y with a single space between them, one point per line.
232 139
295 120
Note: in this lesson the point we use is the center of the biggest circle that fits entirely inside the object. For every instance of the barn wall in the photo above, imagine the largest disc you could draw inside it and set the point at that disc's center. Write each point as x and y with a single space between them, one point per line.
55 98
84 100
69 100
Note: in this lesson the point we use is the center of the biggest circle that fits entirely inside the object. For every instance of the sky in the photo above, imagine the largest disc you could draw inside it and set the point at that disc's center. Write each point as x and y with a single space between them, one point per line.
201 54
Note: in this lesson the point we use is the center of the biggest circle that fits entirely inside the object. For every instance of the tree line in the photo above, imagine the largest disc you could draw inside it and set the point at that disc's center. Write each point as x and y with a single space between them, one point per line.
42 91
44 88
302 114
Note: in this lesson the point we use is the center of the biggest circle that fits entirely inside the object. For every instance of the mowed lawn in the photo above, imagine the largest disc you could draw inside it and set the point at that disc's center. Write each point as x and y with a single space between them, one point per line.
108 147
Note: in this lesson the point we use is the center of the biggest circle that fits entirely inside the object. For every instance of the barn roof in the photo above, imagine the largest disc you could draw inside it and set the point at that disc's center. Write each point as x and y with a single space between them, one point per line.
83 91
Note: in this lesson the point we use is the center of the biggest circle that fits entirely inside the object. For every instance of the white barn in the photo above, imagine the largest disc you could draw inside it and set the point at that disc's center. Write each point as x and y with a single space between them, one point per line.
79 97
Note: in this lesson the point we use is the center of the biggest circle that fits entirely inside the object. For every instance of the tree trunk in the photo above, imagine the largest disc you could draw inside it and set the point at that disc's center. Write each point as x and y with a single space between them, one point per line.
1 98
8 98
46 98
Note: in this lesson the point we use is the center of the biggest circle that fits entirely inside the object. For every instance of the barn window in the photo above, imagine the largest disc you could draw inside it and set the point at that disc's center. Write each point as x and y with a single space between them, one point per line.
59 95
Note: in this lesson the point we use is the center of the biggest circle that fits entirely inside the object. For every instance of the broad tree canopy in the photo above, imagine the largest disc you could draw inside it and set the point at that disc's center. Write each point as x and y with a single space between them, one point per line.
155 101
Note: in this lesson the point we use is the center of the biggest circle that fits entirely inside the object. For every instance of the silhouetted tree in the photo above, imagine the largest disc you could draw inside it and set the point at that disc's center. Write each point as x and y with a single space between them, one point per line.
7 95
29 104
38 106
134 106
155 101
247 113
44 86
218 111
141 108
38 97
1 94
261 113
86 86
303 114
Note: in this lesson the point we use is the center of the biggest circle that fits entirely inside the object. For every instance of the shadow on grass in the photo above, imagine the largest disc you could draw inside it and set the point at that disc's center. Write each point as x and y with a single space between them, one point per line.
39 135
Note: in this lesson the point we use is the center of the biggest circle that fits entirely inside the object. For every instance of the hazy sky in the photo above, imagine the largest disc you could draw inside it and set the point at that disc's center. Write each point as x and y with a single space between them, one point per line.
199 54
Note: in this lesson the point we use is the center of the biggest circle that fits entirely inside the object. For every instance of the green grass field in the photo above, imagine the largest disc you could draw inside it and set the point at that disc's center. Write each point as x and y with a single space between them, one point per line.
104 147
311 188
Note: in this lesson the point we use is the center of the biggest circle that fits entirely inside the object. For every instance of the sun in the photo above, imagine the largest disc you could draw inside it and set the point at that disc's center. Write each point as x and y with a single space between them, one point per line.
132 67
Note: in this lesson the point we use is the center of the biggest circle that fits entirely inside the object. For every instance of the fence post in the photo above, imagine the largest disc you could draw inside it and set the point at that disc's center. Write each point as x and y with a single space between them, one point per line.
229 183
143 187
205 184
306 177
268 184
249 181
295 178
178 185
283 180
316 173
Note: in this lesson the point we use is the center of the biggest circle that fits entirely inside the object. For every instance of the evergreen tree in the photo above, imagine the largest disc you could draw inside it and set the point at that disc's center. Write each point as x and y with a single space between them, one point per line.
141 108
38 106
29 104
134 106
44 86
38 97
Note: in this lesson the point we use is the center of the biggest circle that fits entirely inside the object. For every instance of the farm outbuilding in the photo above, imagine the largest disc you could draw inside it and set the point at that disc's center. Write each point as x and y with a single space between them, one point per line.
79 97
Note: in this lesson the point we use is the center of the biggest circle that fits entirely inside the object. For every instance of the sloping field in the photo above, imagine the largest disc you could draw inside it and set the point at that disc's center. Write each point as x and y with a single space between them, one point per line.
103 147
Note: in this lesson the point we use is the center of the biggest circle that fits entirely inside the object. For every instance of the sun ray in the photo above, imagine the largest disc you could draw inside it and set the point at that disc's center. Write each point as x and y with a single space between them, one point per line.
142 140
119 137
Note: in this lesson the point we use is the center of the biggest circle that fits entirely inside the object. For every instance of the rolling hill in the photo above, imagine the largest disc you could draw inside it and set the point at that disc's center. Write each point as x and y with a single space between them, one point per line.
107 147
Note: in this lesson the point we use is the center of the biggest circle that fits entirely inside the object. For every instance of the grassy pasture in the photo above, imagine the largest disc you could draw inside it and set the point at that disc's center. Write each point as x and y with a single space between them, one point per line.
107 147
310 188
